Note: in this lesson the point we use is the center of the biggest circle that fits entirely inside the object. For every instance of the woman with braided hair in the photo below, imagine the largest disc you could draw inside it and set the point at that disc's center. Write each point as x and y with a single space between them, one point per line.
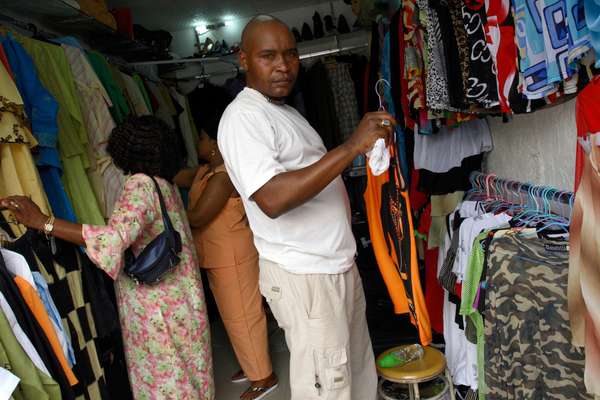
165 325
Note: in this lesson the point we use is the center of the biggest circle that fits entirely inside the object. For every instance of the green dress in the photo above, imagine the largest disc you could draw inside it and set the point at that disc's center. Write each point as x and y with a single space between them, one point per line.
120 109
34 383
140 83
55 74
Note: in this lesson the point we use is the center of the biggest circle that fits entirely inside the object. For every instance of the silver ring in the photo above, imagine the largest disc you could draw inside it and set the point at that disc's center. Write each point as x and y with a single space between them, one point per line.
384 123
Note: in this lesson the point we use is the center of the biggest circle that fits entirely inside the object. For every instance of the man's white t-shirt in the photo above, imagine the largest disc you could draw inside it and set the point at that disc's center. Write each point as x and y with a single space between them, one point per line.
259 140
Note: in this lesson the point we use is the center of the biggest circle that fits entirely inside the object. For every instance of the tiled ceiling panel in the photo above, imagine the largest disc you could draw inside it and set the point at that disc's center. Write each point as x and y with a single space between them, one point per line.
175 15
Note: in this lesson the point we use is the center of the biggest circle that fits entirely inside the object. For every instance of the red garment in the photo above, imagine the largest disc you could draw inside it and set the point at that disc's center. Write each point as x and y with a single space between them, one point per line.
588 121
4 60
434 293
500 35
124 21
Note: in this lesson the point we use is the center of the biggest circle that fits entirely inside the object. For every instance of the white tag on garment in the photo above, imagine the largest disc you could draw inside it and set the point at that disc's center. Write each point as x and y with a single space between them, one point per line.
379 158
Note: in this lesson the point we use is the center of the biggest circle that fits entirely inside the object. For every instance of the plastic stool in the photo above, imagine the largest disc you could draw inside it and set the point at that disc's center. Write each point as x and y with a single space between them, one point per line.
431 366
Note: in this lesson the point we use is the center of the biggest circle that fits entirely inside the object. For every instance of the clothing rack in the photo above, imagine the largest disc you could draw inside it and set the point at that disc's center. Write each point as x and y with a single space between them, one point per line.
333 51
537 197
25 26
205 60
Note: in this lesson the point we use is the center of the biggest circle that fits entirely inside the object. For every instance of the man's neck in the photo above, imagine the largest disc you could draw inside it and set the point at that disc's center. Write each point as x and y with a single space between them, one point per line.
275 100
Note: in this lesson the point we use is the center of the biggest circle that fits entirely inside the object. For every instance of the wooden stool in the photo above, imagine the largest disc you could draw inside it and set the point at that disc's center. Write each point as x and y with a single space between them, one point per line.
432 365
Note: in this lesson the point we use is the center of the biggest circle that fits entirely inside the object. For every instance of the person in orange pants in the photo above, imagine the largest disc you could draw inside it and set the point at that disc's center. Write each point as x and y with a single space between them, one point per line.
225 247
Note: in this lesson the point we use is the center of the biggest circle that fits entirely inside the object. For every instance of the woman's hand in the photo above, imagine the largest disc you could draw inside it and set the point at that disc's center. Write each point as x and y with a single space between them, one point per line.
25 211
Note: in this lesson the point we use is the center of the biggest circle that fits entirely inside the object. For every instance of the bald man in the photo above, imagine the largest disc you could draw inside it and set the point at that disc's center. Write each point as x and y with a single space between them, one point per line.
299 213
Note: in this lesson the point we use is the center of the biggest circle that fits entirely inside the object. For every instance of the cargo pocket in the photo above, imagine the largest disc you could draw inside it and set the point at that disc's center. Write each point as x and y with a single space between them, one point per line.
274 296
331 369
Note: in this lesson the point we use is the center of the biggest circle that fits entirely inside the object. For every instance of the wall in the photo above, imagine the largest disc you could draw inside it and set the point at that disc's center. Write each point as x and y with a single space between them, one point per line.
538 148
184 41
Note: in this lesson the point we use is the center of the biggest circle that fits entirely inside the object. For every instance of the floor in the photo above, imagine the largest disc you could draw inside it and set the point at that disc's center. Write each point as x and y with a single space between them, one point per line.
225 364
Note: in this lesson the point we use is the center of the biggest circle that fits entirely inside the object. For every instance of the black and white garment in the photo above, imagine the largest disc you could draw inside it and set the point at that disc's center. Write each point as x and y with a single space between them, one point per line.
344 96
482 86
62 268
436 83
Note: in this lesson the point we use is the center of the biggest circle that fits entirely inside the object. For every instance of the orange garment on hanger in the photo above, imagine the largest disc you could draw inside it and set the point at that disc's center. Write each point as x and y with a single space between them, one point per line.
400 271
38 310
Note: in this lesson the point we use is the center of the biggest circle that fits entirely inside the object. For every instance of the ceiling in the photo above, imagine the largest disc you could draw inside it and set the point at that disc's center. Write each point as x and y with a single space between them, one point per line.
176 15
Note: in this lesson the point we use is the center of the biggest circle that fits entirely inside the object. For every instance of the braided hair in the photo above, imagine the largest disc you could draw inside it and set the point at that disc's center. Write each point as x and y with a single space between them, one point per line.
146 145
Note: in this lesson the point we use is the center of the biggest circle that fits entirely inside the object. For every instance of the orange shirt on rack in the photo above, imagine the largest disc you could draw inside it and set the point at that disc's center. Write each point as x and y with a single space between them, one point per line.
37 308
404 287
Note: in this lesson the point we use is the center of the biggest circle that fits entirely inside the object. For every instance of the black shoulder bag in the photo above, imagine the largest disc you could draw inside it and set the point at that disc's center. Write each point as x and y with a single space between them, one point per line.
160 256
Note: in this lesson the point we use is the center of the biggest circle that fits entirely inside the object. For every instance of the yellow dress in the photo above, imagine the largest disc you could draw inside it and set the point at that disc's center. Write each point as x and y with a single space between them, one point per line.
18 174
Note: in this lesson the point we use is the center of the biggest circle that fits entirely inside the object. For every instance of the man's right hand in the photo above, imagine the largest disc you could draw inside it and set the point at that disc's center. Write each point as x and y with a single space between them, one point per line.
370 129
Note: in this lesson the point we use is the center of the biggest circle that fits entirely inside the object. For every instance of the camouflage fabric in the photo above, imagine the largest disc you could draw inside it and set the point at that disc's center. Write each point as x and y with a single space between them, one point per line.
528 349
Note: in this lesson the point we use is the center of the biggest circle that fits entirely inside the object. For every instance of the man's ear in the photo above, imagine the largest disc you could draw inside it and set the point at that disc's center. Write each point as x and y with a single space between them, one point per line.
243 57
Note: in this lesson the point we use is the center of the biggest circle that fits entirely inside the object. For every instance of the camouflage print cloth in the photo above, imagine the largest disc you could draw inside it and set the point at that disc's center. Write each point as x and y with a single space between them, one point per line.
528 349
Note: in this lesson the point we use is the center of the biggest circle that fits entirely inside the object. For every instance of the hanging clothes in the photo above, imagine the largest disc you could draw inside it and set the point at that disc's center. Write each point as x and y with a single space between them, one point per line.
54 72
550 36
529 280
21 337
188 129
120 108
135 96
64 272
483 83
436 81
457 82
41 109
33 330
106 178
390 105
500 36
584 270
392 235
344 98
165 110
142 86
320 104
18 175
34 384
38 310
17 266
592 20
447 149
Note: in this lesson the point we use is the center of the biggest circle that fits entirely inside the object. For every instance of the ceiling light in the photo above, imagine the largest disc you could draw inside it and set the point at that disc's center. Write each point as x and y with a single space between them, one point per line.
201 29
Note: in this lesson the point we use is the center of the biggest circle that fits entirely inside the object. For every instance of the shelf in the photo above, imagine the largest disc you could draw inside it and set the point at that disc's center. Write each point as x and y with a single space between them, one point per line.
63 17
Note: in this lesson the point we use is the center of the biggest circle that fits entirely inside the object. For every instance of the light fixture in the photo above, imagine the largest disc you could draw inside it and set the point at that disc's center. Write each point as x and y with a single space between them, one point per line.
201 28
229 20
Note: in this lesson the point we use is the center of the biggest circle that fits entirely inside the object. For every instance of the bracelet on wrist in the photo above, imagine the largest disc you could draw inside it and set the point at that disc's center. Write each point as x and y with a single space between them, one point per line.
49 226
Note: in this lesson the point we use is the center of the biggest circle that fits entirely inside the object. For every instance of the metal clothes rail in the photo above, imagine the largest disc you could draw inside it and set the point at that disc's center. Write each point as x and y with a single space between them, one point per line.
545 199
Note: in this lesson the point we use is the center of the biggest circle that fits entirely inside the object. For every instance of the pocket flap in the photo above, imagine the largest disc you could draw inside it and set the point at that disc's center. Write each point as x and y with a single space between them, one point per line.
336 357
270 292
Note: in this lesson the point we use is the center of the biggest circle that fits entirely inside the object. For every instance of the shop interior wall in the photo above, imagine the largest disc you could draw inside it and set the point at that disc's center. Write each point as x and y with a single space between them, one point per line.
538 147
184 41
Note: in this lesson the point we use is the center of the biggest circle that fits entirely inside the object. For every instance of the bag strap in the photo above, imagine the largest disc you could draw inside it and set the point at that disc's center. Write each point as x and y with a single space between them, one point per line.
163 208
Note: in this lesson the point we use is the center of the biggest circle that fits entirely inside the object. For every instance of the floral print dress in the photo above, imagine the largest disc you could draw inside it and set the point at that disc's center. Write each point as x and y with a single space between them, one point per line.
165 326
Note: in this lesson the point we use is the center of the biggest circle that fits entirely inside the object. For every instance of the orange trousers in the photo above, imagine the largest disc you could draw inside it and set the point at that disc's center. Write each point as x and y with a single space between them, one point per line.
240 304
